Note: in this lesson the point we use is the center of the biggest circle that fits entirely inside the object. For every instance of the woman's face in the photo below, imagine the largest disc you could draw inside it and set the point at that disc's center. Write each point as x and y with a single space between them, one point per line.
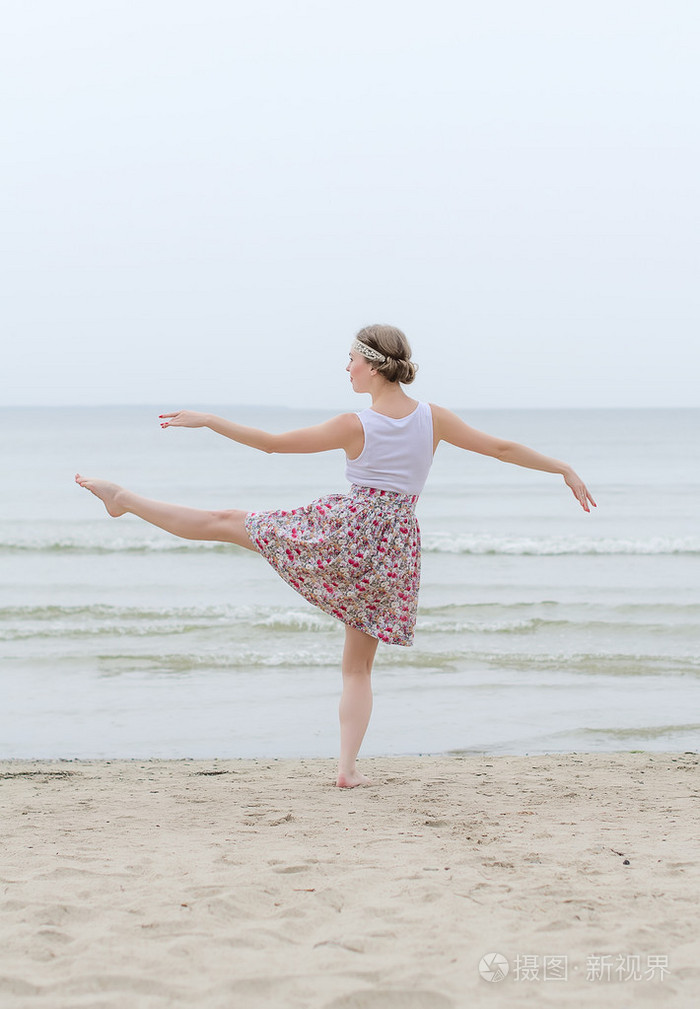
360 371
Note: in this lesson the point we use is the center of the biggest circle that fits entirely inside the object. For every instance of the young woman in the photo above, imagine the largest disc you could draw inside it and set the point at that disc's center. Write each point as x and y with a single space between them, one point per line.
355 555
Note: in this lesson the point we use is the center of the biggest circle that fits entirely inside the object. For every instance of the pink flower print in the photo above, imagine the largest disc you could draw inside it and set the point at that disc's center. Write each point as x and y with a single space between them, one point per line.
346 530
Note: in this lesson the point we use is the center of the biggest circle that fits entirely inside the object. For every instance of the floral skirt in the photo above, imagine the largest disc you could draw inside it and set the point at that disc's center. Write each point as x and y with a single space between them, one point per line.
354 555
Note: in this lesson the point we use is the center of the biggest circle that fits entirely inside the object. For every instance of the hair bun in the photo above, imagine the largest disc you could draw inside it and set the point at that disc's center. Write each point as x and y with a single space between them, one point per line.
392 343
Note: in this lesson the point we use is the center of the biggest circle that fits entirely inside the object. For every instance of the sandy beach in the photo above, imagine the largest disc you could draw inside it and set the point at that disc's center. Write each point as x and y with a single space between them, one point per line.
257 883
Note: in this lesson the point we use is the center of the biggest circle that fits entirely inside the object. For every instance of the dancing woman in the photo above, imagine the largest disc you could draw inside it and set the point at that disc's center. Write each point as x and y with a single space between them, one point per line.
354 555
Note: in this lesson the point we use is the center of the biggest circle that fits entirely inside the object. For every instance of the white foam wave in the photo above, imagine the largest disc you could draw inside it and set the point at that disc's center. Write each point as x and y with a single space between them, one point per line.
543 546
439 543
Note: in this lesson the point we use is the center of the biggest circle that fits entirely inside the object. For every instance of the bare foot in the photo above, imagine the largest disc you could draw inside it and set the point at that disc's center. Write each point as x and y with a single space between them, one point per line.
107 493
352 780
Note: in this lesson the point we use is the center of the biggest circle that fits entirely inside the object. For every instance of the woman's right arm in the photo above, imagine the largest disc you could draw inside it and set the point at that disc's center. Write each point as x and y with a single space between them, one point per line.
344 431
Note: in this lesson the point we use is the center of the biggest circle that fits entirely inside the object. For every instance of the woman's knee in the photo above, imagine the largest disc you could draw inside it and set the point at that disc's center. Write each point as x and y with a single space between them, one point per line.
358 668
231 526
359 653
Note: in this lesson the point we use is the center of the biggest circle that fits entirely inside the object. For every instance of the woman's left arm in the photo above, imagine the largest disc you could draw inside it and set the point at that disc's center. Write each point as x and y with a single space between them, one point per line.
450 428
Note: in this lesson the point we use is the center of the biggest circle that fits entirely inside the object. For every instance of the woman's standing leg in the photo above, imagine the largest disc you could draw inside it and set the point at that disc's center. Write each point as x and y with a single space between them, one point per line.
188 523
355 703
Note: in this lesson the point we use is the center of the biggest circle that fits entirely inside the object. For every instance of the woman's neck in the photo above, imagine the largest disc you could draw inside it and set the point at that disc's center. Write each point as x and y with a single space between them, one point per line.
390 398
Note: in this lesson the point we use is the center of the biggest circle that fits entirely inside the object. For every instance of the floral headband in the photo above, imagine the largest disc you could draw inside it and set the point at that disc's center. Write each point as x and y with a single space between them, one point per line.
368 352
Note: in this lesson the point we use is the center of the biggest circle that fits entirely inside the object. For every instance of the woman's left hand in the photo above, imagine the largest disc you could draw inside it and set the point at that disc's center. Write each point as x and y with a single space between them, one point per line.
579 490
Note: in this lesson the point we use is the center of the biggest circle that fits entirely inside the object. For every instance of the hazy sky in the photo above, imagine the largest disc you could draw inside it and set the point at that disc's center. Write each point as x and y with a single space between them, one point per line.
203 201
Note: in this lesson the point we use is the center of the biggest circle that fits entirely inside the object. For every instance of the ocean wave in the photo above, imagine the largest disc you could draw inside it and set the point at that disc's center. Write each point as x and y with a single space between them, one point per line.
644 732
484 668
127 648
598 663
27 622
94 545
538 624
466 619
433 543
551 546
246 659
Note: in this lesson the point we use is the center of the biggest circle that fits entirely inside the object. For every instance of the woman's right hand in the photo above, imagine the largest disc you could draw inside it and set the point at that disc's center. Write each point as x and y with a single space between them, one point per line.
579 489
184 418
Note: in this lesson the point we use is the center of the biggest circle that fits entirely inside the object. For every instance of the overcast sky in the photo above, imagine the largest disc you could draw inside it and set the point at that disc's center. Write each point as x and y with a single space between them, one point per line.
203 201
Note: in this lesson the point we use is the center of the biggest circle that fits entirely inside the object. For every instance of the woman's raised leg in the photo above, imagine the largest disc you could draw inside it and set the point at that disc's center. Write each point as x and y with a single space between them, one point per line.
355 703
189 523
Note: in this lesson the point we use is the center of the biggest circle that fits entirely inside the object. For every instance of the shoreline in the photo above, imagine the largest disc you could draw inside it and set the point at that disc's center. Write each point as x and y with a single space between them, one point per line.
258 882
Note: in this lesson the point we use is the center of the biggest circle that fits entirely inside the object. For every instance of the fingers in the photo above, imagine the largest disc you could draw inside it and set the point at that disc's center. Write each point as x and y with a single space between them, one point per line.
182 418
584 497
580 492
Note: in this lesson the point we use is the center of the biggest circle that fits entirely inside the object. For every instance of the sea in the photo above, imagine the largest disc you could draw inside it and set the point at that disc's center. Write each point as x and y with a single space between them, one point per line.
541 629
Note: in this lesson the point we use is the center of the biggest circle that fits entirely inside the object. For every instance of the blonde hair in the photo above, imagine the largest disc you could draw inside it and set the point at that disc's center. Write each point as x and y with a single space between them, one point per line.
392 343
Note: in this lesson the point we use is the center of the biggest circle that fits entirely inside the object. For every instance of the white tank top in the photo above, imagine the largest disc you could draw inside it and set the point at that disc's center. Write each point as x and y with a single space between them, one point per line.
398 454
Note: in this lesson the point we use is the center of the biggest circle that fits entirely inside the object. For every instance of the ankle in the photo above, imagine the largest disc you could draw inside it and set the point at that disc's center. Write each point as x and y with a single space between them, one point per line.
121 499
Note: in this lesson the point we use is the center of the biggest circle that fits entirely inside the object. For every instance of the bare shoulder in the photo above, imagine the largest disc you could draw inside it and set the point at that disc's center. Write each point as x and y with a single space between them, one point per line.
451 428
437 411
345 424
443 419
349 420
351 433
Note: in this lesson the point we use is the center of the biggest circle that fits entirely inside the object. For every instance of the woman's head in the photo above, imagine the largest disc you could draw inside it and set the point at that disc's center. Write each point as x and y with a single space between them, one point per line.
392 345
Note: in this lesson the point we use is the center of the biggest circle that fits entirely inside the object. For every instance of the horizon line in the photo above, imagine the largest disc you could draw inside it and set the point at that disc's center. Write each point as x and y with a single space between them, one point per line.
284 406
